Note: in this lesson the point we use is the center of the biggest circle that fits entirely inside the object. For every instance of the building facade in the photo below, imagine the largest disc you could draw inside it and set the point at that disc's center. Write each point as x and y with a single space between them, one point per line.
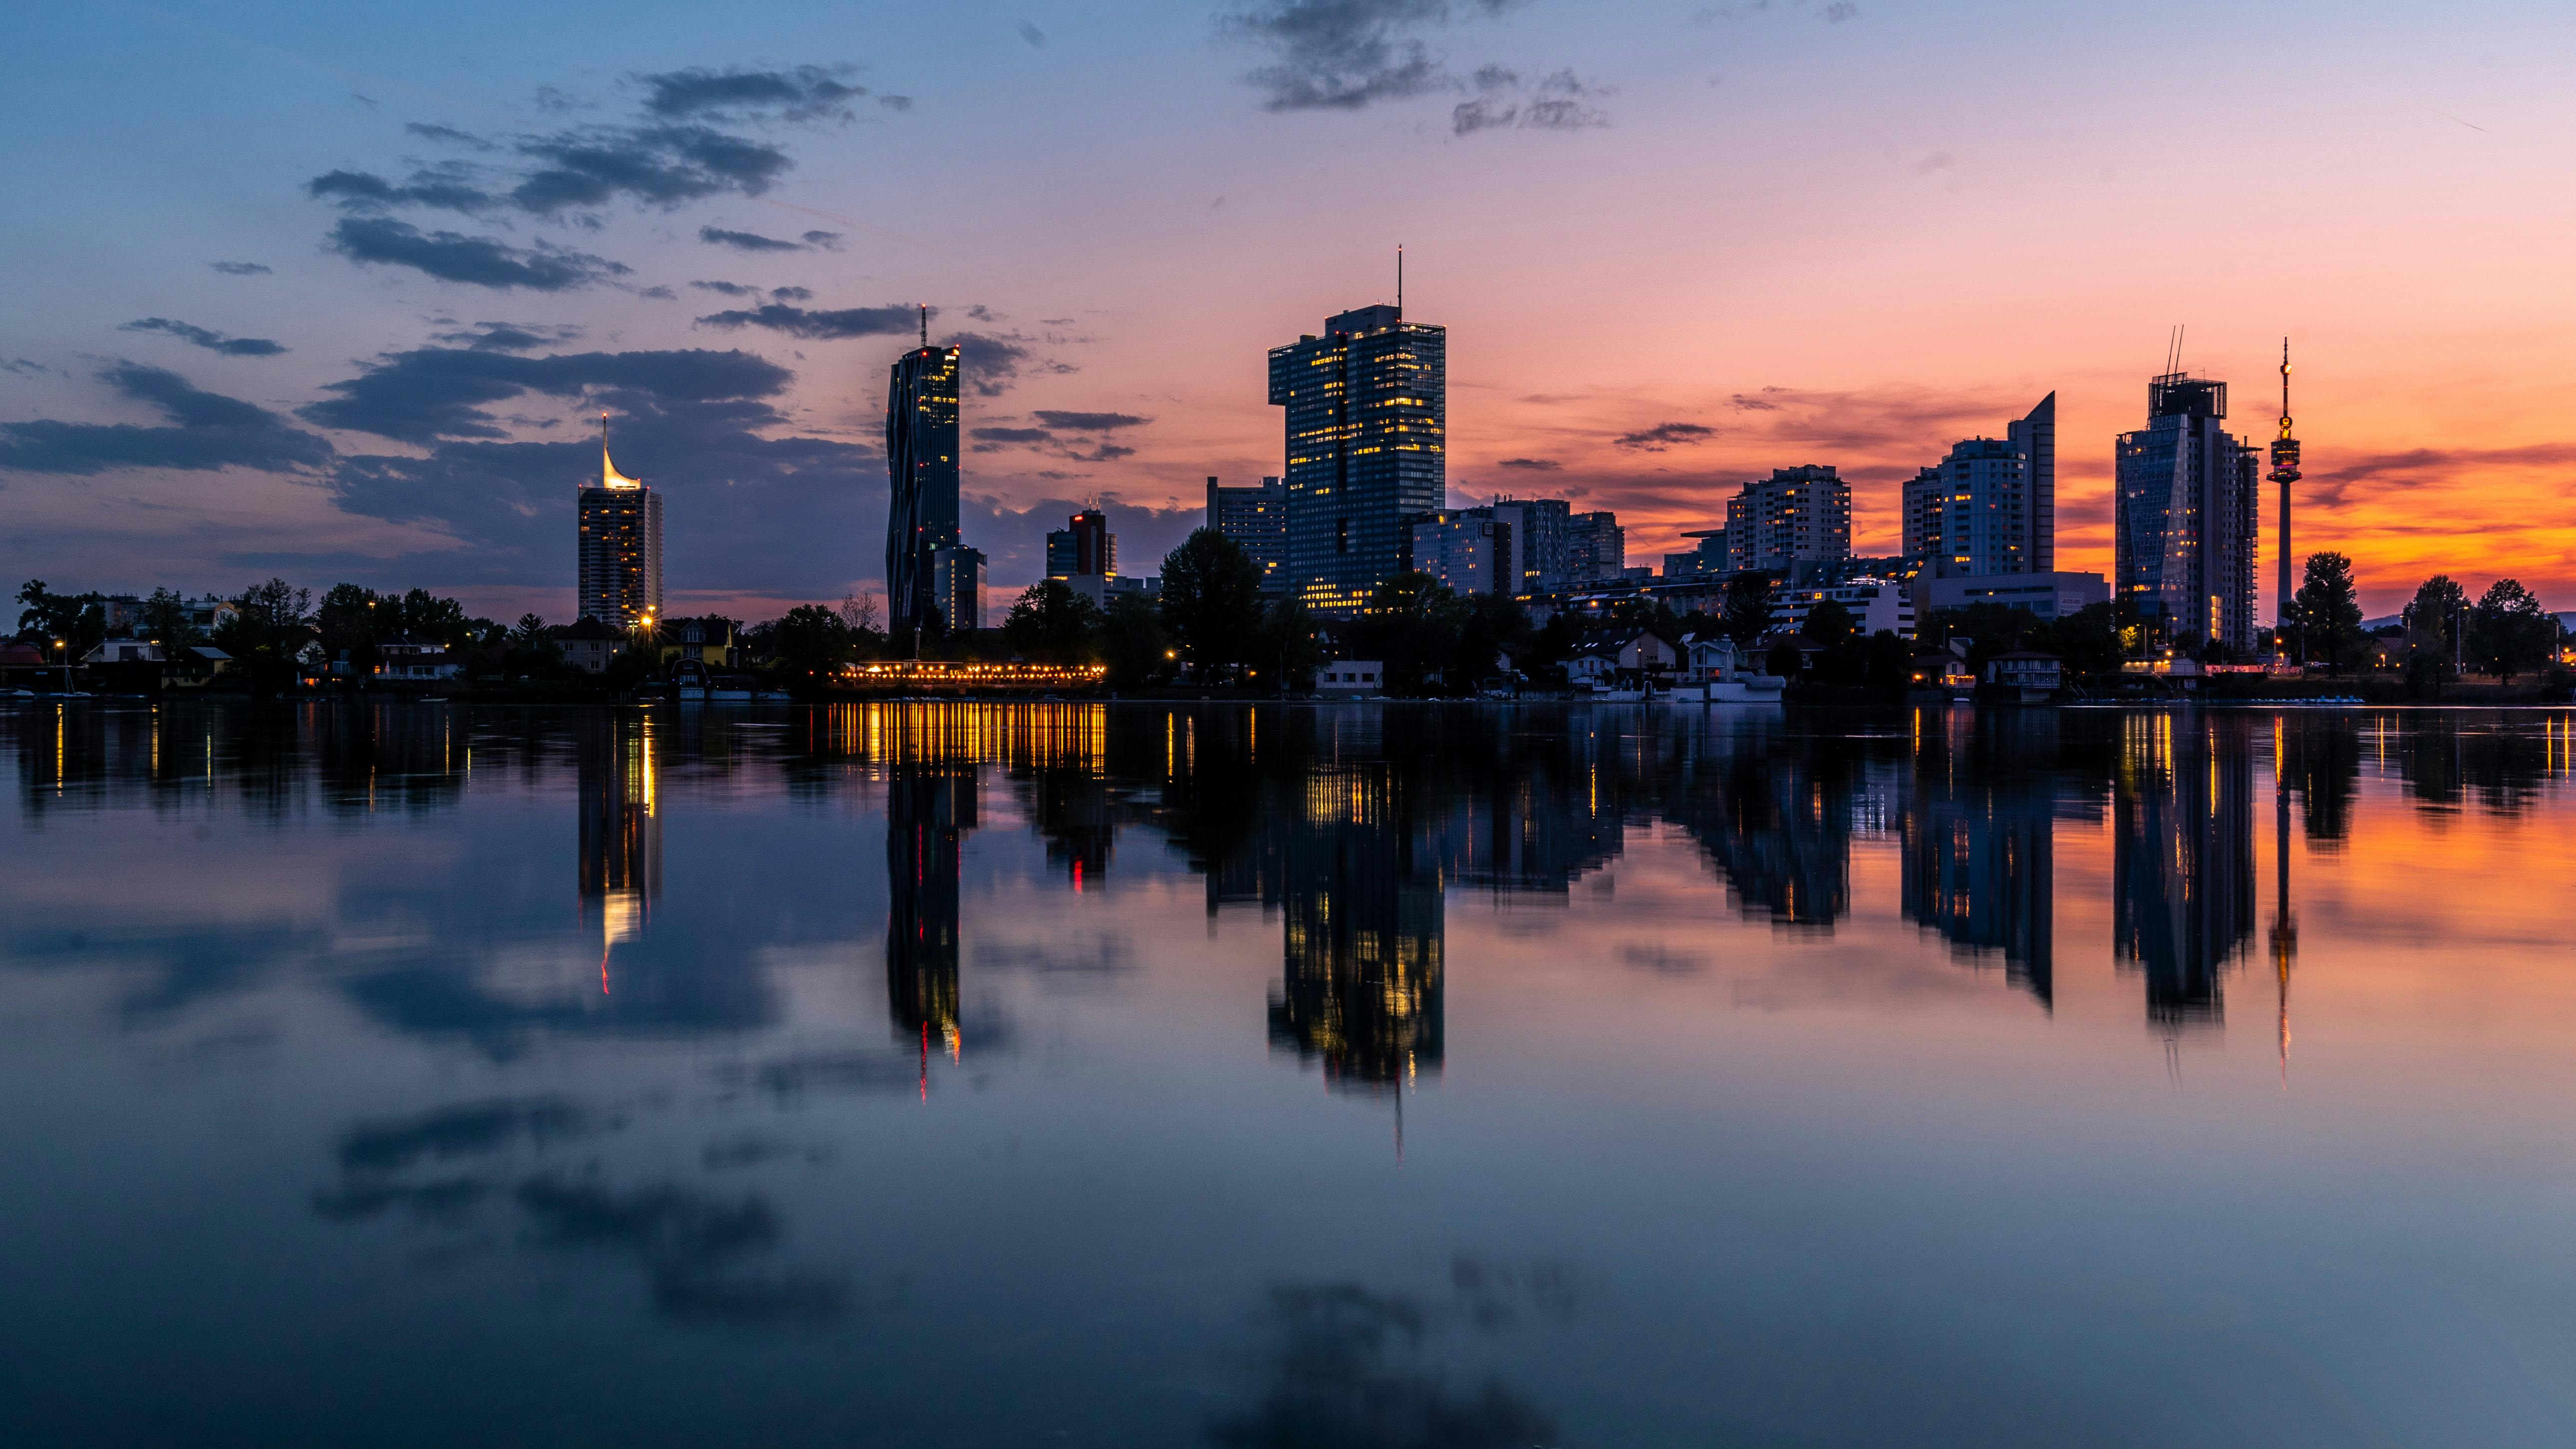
1707 557
1095 548
1367 419
1466 549
1797 515
921 474
1257 520
620 543
1596 550
2184 518
957 586
1990 507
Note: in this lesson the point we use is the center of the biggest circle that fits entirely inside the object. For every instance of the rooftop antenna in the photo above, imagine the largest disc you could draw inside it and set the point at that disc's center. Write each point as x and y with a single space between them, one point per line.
925 326
1399 279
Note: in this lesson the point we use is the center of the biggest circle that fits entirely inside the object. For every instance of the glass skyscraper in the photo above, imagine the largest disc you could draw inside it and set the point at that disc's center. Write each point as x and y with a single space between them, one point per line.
2184 519
620 542
1367 416
921 474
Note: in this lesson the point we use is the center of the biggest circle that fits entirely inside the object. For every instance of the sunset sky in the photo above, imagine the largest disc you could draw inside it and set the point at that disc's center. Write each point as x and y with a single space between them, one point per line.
339 292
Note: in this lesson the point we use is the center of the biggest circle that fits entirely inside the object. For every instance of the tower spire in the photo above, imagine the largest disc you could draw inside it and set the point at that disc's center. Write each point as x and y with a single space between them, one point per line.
1399 279
925 324
609 477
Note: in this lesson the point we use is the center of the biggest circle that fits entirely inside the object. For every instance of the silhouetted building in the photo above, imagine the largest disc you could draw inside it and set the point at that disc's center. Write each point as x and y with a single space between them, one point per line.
1257 520
1706 559
1095 548
1367 419
957 586
1797 515
2182 857
1596 550
620 547
921 474
2183 520
1466 549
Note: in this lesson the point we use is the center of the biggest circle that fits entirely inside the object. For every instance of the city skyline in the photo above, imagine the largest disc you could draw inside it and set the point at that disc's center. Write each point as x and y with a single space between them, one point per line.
364 345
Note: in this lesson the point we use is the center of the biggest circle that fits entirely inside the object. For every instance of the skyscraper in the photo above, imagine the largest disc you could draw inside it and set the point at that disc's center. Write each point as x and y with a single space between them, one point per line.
1990 507
957 586
2183 520
2285 471
1095 548
921 475
1257 520
1798 515
620 545
1367 419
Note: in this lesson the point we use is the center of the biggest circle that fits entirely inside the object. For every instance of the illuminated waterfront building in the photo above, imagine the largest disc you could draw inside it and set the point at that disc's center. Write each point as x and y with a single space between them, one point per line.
1797 515
620 579
921 475
1367 420
2183 519
1257 520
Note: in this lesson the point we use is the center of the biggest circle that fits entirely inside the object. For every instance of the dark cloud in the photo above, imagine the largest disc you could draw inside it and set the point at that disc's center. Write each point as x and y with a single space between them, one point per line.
889 319
791 294
209 431
663 166
446 187
727 289
803 93
1840 11
659 294
1665 435
1090 422
1036 38
510 336
476 261
27 367
895 103
1009 435
210 340
1344 54
2416 467
1537 465
746 241
992 362
1349 1369
448 135
1506 101
1753 403
823 241
431 393
240 269
831 1072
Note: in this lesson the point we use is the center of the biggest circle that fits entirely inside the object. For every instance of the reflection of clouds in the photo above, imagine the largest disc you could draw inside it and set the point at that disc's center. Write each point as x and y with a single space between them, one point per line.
1346 1370
1106 954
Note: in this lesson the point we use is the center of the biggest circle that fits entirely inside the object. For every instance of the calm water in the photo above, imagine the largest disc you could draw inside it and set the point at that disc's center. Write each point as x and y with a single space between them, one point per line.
1133 1075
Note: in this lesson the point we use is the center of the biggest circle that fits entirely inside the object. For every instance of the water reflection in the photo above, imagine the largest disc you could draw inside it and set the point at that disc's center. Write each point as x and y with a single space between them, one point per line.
1980 839
2182 862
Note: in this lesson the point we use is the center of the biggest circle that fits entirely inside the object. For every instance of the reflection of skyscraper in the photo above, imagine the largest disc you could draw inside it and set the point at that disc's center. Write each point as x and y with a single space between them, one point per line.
2182 857
1979 844
621 829
929 809
1777 819
921 469
1363 937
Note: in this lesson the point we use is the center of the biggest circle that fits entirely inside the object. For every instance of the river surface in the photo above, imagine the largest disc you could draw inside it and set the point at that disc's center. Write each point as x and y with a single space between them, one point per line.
1407 1075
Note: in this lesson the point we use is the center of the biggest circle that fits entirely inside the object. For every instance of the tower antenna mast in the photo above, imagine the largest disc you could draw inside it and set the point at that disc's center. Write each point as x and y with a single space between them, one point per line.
925 325
2285 471
1399 279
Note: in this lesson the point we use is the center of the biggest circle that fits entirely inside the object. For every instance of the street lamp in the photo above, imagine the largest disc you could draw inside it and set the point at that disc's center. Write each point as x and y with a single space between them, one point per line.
63 656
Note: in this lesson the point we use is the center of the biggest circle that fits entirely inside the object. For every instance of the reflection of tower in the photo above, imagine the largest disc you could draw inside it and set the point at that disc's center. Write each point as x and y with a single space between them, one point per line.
621 830
1979 847
2182 858
2285 926
1362 939
929 809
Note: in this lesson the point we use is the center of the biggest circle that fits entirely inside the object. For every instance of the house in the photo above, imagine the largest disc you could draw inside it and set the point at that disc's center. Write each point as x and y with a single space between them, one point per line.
2026 670
408 658
1602 655
588 644
1946 672
124 651
1351 676
709 641
1722 670
194 666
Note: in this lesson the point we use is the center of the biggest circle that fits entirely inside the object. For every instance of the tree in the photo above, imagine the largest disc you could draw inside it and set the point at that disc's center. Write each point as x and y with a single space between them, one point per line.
809 641
1212 600
2434 618
530 630
1054 625
1134 644
2087 641
2509 633
1747 616
1827 622
1412 625
2327 609
1495 625
1289 653
166 622
78 620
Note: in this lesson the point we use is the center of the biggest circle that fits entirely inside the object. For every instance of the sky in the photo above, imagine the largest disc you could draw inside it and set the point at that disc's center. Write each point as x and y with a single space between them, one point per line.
339 293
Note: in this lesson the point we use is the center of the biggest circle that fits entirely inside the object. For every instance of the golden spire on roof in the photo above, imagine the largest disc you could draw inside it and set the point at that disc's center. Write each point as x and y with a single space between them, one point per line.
609 477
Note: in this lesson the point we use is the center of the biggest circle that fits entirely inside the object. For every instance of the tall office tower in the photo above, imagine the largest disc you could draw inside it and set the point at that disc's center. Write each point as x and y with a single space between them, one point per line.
2183 520
1367 420
2285 471
957 586
1596 549
921 472
1797 515
2182 858
1467 550
620 546
1060 554
1990 507
1095 548
1539 526
1257 520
